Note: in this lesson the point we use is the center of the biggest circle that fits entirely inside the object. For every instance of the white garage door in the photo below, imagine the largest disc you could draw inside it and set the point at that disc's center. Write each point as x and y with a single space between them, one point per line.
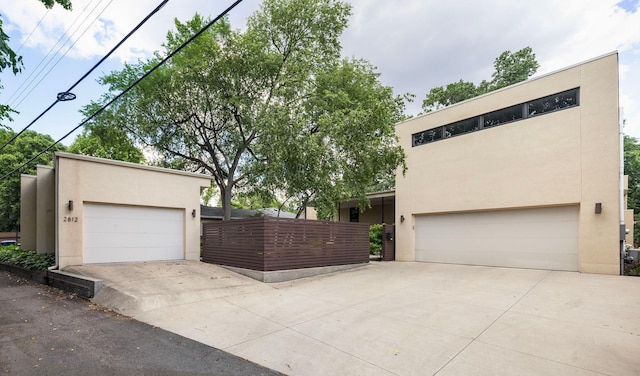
543 238
115 233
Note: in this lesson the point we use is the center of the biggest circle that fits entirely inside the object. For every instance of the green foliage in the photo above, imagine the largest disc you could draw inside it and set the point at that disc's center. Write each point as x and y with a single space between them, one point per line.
272 111
375 239
632 169
9 59
632 270
29 260
510 68
13 155
103 139
337 146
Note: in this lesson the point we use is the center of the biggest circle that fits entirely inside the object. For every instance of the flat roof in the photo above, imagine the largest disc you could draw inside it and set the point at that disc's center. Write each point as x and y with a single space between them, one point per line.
138 166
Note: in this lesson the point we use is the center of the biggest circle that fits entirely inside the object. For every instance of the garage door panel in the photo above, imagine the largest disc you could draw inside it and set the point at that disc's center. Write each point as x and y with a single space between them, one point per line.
529 260
101 240
543 238
129 254
520 245
132 225
116 233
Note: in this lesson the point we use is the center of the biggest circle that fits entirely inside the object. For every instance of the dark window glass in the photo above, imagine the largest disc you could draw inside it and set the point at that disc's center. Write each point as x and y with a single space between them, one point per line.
354 215
554 102
464 126
566 99
503 116
427 136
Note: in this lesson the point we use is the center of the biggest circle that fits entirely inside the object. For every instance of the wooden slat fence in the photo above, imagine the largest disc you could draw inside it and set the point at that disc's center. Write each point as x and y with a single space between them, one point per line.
388 242
271 244
10 236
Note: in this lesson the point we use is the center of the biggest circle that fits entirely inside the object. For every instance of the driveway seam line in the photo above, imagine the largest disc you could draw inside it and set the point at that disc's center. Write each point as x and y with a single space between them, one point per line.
291 327
494 321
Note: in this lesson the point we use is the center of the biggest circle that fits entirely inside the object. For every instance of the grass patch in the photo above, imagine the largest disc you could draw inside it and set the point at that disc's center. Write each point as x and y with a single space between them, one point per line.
29 260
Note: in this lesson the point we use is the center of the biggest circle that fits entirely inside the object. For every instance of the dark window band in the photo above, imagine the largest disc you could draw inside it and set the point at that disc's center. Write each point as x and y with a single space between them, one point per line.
536 107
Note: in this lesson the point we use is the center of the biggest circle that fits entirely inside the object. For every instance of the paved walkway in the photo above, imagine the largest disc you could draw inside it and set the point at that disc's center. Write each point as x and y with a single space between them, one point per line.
393 318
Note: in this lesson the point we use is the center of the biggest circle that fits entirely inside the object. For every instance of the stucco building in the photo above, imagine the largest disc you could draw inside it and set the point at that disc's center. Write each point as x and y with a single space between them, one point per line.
93 210
527 176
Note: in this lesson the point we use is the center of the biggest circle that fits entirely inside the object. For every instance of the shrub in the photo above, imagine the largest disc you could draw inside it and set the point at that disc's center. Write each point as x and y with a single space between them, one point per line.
375 239
30 260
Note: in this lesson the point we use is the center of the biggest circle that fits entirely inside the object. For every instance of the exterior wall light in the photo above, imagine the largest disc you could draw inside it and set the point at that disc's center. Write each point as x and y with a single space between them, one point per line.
193 213
70 205
598 208
401 218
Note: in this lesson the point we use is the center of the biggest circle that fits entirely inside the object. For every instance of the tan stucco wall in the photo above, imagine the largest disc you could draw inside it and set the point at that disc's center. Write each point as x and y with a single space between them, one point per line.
373 214
628 221
84 179
45 209
28 189
562 158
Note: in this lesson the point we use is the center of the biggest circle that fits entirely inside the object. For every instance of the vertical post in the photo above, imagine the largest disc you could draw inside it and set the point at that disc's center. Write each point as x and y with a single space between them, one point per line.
382 210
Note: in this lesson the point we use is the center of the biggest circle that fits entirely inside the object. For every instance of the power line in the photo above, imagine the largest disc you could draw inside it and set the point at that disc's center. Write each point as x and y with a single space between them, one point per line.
33 31
31 78
28 80
73 43
62 56
162 4
125 91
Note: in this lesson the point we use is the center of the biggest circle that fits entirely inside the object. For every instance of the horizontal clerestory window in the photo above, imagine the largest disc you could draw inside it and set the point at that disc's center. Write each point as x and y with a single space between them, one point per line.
550 103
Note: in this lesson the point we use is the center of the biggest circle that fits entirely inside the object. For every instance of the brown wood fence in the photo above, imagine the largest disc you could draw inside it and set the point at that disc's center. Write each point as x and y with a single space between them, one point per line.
388 242
10 236
271 244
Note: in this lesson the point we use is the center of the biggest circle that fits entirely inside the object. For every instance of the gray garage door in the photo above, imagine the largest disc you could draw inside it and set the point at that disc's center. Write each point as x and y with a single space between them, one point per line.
117 233
542 238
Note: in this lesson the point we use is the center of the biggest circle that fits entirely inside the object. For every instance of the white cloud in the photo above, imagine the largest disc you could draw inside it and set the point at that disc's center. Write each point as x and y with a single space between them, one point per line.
415 44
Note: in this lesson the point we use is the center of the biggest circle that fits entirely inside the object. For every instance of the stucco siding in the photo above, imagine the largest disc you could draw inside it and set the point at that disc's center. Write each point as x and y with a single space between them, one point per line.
567 157
86 180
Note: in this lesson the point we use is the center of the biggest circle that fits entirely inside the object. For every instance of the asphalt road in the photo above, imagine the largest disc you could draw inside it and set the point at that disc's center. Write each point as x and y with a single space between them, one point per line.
44 331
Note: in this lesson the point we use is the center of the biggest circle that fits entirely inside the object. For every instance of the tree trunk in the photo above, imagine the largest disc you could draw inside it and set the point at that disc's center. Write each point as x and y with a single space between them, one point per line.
225 193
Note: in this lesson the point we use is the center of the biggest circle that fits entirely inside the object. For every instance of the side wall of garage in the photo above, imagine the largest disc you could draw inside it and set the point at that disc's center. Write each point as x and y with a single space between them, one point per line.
569 157
129 198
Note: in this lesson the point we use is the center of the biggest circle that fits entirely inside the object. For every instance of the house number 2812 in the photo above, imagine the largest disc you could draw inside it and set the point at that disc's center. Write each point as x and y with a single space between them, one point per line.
69 219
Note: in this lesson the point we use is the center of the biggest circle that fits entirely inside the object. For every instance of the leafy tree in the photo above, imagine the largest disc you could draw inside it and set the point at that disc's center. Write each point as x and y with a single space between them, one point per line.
104 140
632 169
9 59
510 68
269 107
12 156
341 144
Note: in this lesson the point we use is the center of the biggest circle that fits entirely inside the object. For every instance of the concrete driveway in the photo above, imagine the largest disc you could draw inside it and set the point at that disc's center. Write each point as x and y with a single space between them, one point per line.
393 318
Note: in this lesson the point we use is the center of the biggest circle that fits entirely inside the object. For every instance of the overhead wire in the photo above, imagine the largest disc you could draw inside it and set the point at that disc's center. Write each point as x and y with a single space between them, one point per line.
33 31
156 10
61 56
125 91
19 90
36 73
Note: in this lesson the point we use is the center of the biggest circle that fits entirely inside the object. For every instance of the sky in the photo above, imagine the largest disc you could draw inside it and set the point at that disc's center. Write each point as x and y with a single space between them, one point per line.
415 44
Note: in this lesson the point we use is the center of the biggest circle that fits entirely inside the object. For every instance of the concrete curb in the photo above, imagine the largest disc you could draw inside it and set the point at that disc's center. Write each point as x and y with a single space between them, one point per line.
85 287
288 275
